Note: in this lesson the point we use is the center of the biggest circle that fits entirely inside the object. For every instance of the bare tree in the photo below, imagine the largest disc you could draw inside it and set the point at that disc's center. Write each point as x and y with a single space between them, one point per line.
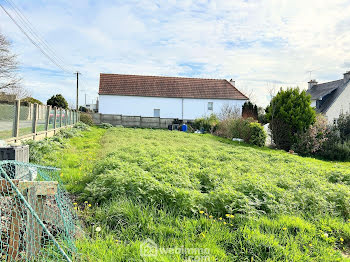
8 66
250 93
229 111
19 91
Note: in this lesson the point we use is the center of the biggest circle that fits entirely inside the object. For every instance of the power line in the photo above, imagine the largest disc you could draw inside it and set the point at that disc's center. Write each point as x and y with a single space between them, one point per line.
33 41
34 32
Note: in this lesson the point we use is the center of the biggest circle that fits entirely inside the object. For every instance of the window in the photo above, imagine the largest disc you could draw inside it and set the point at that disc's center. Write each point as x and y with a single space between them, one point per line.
210 106
156 112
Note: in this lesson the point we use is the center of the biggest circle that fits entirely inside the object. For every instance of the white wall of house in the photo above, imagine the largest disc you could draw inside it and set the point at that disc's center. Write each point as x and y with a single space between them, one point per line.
313 103
169 107
340 105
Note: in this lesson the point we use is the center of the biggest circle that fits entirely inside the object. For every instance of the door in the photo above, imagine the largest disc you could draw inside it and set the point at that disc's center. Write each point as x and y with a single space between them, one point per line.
156 112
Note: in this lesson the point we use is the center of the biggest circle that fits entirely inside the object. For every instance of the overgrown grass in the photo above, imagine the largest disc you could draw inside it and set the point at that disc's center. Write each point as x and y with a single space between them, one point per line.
178 189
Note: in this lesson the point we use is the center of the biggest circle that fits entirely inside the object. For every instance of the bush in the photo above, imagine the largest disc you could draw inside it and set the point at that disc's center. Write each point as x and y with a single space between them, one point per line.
337 145
251 132
82 126
310 141
86 118
289 112
207 124
257 134
234 128
249 110
105 125
336 151
343 125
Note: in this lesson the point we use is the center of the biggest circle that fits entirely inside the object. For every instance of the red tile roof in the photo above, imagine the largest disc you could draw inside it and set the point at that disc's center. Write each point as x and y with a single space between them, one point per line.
161 86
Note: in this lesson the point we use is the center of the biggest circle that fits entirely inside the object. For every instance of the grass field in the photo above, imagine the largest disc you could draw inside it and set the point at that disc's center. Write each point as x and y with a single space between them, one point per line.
231 201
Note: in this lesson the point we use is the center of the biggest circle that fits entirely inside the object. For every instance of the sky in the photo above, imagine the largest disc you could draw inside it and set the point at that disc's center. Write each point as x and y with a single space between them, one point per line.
260 44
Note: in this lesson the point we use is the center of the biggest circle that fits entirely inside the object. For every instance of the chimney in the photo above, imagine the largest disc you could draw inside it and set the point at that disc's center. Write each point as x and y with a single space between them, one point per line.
312 83
346 76
233 82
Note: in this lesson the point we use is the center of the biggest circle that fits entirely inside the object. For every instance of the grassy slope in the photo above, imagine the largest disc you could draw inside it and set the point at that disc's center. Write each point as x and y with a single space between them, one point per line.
152 184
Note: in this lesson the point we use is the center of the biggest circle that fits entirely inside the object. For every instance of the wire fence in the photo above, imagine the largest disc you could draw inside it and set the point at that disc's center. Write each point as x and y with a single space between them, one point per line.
7 115
22 120
37 220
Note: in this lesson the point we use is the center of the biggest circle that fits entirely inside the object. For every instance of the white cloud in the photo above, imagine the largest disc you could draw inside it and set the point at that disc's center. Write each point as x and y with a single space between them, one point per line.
258 43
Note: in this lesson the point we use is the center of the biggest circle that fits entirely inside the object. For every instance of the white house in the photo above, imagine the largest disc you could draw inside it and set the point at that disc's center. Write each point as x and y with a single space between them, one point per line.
331 98
166 97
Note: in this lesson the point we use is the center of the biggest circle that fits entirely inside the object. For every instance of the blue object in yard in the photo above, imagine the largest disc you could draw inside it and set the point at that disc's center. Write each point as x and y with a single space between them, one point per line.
184 128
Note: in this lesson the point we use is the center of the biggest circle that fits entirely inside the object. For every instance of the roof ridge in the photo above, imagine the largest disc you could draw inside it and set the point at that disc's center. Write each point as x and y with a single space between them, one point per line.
181 77
328 82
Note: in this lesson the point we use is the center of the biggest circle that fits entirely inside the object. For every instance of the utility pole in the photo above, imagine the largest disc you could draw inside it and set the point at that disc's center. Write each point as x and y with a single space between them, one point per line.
77 103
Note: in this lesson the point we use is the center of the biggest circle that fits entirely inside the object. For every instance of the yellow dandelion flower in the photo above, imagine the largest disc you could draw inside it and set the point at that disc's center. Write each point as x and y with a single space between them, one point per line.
224 223
86 202
201 212
341 239
203 235
232 216
75 208
310 245
220 218
284 228
228 215
75 204
231 225
206 214
89 205
210 216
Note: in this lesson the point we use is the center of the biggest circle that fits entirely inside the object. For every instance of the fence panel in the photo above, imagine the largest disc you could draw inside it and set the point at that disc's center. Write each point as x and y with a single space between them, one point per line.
41 118
25 119
7 116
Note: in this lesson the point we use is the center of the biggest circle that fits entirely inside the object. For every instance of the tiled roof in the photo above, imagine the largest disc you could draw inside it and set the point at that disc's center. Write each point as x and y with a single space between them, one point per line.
320 90
160 86
327 93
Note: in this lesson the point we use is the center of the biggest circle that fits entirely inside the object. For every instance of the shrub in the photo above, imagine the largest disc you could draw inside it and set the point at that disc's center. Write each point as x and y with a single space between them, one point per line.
207 124
289 112
257 134
337 146
82 126
251 132
336 151
234 128
310 141
86 118
105 125
249 110
343 125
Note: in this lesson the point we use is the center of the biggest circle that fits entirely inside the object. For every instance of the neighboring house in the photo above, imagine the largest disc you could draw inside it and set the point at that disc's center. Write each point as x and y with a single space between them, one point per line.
331 98
7 97
166 97
92 107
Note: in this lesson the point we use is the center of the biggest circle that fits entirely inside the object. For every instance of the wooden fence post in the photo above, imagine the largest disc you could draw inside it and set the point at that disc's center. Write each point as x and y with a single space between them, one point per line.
54 117
35 118
66 117
60 117
15 127
47 118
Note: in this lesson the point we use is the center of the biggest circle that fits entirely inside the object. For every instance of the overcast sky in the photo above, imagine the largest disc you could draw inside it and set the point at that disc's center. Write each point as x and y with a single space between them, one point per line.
260 44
